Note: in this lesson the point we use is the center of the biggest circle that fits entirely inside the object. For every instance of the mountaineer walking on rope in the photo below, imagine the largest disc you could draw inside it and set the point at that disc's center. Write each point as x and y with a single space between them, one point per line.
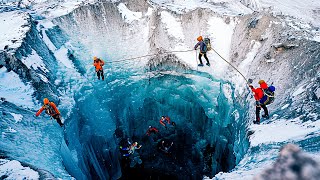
204 47
263 96
50 109
98 63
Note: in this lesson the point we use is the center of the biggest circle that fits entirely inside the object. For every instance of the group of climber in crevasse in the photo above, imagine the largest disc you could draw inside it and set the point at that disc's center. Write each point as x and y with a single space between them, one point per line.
165 147
264 95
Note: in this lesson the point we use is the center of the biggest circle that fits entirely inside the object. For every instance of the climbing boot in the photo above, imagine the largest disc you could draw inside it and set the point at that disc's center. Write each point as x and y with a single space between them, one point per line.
208 64
200 64
265 116
257 121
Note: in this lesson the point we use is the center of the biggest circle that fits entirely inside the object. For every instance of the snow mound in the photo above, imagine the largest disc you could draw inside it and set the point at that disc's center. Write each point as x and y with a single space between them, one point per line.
14 26
14 170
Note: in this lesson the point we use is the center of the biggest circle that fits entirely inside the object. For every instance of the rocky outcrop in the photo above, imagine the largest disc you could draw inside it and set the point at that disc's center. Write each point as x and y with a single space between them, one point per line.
292 164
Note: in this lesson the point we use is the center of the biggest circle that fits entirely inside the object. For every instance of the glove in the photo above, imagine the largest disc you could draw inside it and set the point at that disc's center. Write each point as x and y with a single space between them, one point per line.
257 103
250 86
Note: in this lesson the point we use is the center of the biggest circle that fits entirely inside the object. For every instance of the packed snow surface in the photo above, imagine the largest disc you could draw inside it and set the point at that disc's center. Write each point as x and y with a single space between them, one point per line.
14 26
14 170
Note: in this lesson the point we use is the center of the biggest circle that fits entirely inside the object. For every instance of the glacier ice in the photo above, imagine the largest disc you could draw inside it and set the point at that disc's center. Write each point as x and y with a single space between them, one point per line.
211 107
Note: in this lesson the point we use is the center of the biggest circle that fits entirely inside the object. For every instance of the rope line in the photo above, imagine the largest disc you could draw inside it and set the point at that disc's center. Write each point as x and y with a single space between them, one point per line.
168 52
148 55
231 66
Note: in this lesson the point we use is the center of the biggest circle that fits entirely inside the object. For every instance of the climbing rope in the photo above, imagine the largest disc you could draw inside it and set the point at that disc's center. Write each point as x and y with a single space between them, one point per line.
231 66
168 52
148 55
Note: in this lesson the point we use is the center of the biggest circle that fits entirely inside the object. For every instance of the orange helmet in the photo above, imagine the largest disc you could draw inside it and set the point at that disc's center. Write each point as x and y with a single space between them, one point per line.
46 101
95 58
199 38
261 81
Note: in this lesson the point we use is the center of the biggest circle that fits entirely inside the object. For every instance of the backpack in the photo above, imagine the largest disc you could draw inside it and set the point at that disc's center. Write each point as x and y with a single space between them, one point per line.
49 109
268 96
207 43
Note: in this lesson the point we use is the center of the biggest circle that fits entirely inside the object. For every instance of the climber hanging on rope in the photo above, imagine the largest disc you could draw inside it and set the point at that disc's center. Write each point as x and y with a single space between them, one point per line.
263 96
165 120
98 63
131 148
165 147
152 130
204 47
50 109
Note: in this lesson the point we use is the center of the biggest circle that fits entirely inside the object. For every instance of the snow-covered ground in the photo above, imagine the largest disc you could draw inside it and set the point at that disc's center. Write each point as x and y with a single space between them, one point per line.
12 169
306 10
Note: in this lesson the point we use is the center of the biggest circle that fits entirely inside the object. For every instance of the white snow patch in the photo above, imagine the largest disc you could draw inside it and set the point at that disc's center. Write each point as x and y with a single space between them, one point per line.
317 92
62 56
149 12
11 130
317 38
250 56
34 61
14 26
298 91
16 117
14 90
270 60
282 130
220 36
285 106
47 24
127 14
43 78
48 42
173 26
14 170
230 7
306 10
245 65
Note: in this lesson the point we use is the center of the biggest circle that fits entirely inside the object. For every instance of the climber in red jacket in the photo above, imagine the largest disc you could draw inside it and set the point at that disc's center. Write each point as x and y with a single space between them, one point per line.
258 95
152 130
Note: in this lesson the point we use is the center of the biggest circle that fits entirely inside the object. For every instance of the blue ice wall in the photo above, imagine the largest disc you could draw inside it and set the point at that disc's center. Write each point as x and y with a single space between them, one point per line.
209 135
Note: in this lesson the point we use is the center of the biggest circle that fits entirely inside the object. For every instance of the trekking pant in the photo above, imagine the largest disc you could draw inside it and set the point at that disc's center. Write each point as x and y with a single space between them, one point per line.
100 73
205 56
57 117
258 108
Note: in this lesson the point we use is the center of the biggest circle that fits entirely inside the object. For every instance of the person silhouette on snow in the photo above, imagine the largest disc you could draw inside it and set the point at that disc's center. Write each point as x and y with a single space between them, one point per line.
50 109
203 50
263 95
98 63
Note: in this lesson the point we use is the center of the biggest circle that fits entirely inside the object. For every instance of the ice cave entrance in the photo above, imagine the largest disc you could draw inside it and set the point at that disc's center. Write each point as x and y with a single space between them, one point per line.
209 135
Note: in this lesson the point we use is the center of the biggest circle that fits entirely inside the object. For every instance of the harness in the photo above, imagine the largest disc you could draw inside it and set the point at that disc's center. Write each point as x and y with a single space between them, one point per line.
49 110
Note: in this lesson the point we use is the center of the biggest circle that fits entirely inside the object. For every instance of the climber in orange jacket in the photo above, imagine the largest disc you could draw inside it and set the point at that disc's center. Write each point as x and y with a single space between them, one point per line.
98 63
50 109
